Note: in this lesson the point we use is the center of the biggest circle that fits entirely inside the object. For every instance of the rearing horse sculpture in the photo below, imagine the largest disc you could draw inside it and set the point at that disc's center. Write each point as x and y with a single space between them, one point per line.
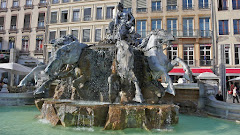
152 46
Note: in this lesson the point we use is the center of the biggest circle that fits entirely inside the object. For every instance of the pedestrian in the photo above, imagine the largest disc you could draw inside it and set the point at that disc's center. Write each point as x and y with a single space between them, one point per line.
219 96
235 96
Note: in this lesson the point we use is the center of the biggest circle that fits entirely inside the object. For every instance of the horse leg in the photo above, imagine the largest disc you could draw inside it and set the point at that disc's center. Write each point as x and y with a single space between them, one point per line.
188 73
138 95
170 89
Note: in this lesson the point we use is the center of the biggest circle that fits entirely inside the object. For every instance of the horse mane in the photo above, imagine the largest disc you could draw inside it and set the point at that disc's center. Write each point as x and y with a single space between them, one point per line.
145 40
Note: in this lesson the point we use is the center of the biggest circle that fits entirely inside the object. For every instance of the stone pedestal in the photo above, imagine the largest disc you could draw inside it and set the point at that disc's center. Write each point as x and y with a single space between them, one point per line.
111 117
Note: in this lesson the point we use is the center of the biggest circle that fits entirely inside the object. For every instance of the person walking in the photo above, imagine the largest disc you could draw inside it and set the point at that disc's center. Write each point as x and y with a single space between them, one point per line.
235 96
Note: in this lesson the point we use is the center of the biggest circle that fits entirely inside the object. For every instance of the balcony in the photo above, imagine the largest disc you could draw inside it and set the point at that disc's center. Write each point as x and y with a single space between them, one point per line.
24 52
26 29
36 52
191 33
86 39
76 20
222 8
30 6
87 18
109 17
42 4
141 10
64 20
172 8
13 29
206 62
188 7
3 9
53 21
15 8
159 9
99 18
204 6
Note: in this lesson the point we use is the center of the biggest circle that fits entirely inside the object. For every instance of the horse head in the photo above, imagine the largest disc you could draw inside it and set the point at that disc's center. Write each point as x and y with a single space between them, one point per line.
64 40
158 37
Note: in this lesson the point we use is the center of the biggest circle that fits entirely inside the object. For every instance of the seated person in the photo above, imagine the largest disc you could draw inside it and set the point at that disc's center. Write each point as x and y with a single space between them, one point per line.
219 96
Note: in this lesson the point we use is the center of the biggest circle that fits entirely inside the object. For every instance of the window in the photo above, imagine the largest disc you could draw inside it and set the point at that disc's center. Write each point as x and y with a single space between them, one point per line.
64 17
171 5
205 55
187 27
28 2
75 33
15 3
13 23
203 4
237 54
109 12
156 5
55 1
1 23
52 36
236 4
223 27
172 52
223 5
86 35
41 17
141 28
87 14
3 4
204 27
39 43
227 54
63 33
11 43
65 1
76 16
25 43
141 6
26 21
99 13
54 17
156 24
43 1
172 26
236 26
97 35
187 4
188 55
127 4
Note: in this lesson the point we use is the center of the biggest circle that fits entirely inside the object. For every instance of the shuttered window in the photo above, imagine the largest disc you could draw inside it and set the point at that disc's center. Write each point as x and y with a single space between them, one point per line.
86 35
141 6
171 5
127 3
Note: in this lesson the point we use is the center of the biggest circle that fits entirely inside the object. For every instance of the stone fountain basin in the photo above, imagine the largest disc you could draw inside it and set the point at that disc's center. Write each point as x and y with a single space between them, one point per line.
70 113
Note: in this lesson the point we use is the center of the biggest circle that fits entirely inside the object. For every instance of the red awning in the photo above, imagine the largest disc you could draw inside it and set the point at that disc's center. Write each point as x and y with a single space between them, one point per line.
195 71
232 71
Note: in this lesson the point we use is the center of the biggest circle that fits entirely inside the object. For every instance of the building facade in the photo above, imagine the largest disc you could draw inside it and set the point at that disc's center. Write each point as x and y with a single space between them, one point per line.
188 20
86 20
22 29
228 35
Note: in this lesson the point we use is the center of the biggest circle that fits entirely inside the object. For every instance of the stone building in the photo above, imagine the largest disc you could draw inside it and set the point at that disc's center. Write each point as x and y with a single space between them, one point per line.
228 35
22 28
188 20
86 20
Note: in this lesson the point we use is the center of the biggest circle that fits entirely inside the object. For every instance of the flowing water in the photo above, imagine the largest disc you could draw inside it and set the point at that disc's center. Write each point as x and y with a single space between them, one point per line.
22 121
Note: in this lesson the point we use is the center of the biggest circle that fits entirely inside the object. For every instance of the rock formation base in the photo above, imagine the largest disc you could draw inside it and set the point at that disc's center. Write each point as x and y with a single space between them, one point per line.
112 117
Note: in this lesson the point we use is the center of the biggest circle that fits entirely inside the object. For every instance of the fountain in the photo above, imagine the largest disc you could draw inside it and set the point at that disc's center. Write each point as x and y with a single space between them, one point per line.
113 84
